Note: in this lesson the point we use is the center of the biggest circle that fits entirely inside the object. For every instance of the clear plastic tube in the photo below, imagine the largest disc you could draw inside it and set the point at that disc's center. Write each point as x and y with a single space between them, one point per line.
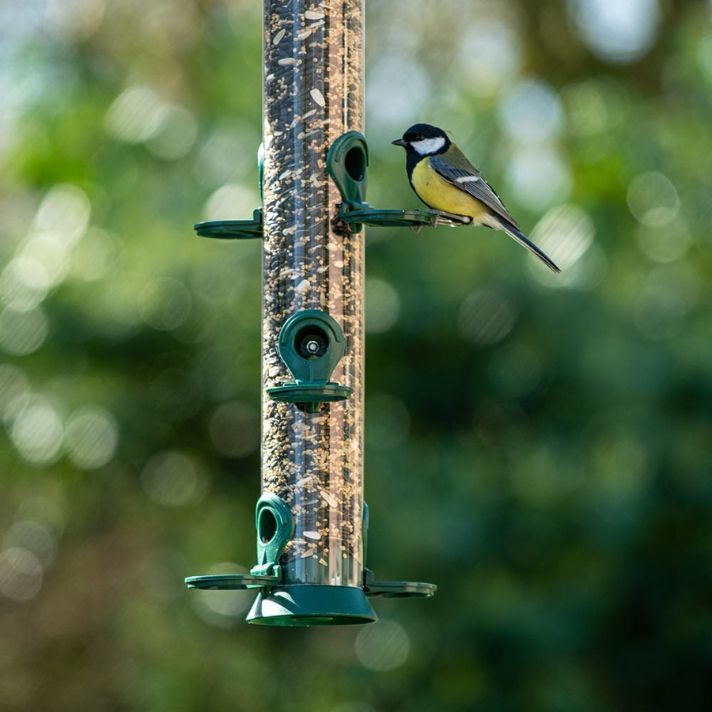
313 67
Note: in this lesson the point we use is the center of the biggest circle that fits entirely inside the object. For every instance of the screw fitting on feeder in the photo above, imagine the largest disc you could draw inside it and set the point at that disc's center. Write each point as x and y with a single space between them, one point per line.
312 347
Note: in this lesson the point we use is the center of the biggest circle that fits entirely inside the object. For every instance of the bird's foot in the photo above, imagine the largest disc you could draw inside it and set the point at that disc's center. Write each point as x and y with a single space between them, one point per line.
442 217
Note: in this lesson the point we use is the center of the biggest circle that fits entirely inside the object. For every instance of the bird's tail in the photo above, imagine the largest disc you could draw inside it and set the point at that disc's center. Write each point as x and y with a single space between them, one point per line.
524 241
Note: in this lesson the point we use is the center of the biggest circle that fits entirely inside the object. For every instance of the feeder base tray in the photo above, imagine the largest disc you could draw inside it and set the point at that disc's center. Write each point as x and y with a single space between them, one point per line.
301 605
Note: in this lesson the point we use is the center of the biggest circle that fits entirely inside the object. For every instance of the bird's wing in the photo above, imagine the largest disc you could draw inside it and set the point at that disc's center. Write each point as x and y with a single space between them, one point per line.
454 167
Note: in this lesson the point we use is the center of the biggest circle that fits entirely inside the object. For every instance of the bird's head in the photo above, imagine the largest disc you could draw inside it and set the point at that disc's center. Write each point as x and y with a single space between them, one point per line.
424 139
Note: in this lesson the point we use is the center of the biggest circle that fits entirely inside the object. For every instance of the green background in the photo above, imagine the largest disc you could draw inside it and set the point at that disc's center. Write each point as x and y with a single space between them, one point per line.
539 446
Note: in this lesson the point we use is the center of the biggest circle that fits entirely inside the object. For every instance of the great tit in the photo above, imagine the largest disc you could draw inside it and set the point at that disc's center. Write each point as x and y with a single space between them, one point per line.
444 179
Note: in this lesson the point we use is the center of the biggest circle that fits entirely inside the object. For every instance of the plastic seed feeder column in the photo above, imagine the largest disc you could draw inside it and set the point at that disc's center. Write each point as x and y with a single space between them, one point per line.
311 517
313 299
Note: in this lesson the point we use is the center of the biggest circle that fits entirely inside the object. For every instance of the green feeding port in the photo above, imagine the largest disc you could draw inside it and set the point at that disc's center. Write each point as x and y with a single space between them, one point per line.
275 526
311 343
347 164
267 526
356 162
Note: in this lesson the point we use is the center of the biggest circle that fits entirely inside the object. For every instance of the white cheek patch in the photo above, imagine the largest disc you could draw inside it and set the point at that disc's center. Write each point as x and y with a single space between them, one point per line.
467 179
428 145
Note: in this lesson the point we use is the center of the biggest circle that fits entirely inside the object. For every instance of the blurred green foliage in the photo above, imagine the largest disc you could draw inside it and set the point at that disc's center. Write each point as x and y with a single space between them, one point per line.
538 446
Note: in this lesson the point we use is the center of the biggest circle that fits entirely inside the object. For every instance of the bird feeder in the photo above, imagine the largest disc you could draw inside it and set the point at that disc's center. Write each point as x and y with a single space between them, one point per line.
311 519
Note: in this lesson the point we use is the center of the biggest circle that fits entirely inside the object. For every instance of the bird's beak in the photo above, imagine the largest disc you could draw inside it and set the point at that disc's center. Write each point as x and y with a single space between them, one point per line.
400 142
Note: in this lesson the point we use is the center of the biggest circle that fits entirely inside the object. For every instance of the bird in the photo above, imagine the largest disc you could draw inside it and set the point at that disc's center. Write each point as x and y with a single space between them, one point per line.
444 179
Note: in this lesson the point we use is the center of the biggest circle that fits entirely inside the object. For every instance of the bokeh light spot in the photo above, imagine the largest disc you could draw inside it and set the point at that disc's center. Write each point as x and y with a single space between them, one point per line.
538 176
221 608
22 333
13 386
172 479
230 201
382 306
175 134
565 233
486 317
652 199
222 156
24 283
531 112
165 303
489 54
665 244
617 31
91 437
383 646
32 536
391 103
20 574
63 215
74 19
37 432
135 115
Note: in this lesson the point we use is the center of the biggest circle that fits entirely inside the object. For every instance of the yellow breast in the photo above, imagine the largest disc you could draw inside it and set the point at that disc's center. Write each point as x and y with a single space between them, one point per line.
436 192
